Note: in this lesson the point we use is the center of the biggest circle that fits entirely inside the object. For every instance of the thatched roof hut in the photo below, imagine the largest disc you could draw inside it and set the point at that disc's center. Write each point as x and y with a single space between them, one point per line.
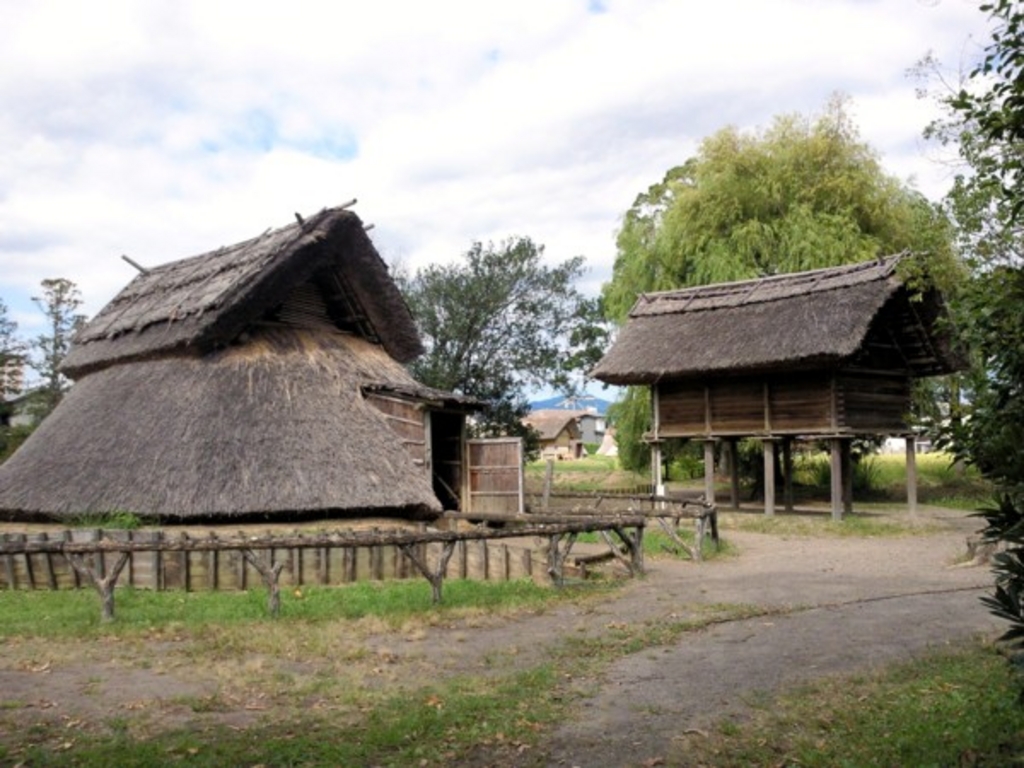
828 353
822 318
243 383
559 430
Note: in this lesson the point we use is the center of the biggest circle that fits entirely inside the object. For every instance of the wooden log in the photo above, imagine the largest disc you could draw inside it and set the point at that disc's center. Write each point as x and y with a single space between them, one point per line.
9 563
557 555
213 564
29 570
270 572
103 583
436 575
158 561
67 537
615 551
361 539
51 576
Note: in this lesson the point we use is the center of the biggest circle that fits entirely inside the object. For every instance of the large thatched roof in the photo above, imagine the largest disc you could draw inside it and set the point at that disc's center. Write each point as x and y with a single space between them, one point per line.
206 301
231 385
277 425
783 322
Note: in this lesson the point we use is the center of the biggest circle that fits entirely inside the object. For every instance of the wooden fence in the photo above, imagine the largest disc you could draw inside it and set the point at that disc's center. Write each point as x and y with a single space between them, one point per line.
666 511
98 558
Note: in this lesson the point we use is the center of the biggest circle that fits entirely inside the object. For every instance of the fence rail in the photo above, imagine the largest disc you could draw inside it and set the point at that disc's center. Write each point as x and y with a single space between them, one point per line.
98 558
659 508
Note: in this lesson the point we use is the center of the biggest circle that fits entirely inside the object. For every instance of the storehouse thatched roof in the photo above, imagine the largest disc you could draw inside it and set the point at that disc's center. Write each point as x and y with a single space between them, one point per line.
819 318
206 301
231 386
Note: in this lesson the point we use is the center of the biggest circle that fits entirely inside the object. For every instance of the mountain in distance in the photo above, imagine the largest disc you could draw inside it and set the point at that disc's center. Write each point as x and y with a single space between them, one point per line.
580 403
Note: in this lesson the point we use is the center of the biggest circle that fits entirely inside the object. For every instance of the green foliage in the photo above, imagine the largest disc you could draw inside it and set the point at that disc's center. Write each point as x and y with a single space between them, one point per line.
73 613
12 352
117 520
59 301
1005 523
11 439
803 194
631 416
500 322
997 111
986 123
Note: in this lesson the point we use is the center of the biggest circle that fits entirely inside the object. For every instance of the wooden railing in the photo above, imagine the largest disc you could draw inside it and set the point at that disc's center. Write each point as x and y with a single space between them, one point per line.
87 556
667 511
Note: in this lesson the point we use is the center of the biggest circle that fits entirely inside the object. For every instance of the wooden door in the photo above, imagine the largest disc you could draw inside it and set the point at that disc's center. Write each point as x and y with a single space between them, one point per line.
495 482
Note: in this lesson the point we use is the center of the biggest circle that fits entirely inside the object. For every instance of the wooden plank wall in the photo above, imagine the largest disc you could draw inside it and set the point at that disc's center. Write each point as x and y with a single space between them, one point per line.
872 403
801 403
407 422
495 475
228 570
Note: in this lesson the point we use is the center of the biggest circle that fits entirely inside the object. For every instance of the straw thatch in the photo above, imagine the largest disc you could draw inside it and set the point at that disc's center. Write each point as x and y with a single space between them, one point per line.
816 319
231 386
209 300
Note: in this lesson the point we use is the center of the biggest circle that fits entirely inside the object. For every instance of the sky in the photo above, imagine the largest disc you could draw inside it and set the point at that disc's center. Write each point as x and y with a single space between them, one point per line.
162 130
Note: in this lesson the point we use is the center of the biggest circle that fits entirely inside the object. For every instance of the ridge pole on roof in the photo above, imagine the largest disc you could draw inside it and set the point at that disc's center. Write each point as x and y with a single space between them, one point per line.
368 227
299 219
349 204
135 264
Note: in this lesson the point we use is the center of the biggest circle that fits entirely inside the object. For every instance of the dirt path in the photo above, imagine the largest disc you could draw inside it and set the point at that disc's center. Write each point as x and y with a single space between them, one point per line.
862 604
843 604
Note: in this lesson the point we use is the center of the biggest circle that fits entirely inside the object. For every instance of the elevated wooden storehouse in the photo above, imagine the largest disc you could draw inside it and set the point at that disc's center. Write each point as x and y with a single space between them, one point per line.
260 381
824 354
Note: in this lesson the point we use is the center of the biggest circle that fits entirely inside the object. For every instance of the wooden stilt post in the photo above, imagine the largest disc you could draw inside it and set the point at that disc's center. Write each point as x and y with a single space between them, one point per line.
659 483
709 471
837 478
847 477
734 473
787 473
769 476
911 474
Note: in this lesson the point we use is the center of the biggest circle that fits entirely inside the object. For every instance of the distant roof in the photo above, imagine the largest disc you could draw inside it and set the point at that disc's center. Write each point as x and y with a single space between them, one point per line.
791 321
205 301
550 423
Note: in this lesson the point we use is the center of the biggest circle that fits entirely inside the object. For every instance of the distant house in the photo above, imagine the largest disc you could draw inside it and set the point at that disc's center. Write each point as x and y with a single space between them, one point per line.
561 434
19 411
589 410
259 381
12 376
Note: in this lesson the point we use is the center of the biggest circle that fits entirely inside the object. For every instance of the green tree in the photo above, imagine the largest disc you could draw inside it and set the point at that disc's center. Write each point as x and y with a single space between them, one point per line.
12 353
986 123
500 322
12 357
59 301
803 194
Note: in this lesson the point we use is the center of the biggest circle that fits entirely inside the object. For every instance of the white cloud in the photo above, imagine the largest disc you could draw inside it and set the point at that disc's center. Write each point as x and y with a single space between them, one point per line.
164 129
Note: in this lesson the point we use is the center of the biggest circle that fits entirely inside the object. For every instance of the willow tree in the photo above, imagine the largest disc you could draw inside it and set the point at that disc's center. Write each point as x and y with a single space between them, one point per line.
806 192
